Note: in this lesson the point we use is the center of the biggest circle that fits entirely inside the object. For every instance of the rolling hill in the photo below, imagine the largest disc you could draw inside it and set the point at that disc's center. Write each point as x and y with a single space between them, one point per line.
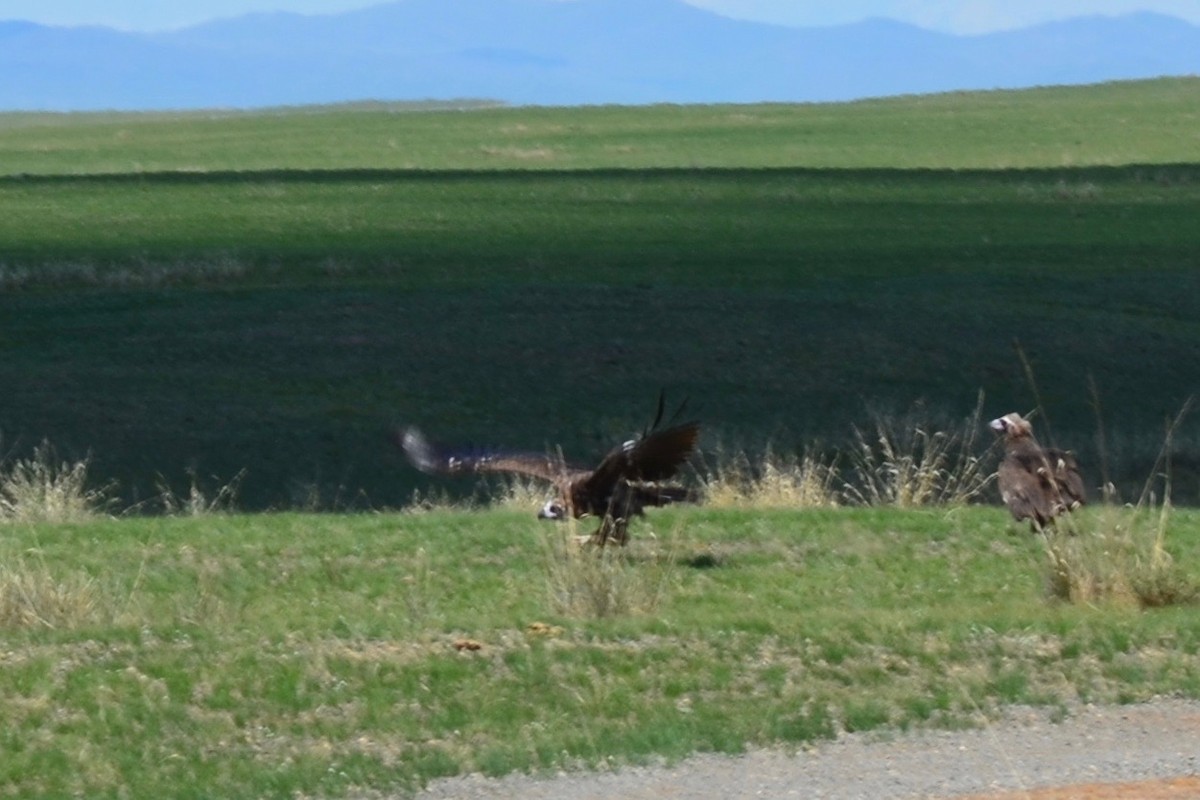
551 53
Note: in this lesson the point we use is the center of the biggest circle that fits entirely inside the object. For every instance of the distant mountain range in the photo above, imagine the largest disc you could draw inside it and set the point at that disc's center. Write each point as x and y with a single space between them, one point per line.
557 53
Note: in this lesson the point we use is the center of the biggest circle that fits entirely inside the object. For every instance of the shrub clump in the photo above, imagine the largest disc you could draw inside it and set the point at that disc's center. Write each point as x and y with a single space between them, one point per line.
32 597
774 482
43 489
1117 554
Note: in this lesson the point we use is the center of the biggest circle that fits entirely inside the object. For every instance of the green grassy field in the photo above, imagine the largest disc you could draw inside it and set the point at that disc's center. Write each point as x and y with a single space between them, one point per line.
194 297
274 291
293 654
1135 122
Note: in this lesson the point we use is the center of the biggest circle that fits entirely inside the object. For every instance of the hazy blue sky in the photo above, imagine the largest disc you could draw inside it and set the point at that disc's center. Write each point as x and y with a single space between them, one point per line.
955 16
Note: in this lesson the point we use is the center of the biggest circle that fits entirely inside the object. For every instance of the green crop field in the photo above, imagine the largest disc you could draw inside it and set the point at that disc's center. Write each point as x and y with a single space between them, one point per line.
272 292
221 313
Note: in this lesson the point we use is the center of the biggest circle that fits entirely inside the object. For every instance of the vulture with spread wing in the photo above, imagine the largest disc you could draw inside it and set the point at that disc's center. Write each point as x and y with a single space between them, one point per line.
626 481
1036 483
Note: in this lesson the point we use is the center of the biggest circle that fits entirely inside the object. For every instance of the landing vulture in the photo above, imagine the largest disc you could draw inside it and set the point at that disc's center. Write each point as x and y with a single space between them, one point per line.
626 481
1036 484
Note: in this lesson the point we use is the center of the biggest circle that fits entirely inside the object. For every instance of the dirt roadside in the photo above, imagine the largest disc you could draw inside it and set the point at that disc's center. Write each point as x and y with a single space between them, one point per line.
1148 752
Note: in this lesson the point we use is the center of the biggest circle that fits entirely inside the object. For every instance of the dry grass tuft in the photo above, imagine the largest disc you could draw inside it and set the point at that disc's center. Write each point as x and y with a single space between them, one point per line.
1119 553
32 597
512 492
44 489
1121 558
589 582
198 502
907 463
774 482
519 493
434 500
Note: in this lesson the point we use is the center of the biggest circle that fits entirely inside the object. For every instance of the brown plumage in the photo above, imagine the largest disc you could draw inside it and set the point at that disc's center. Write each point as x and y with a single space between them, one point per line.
625 482
1036 484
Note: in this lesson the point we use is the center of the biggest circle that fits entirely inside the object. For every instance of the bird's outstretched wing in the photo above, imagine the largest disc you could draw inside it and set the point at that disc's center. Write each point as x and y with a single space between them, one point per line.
654 456
434 458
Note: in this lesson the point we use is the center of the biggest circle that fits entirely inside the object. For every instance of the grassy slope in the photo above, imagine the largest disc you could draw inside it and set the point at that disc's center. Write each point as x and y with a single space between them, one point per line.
272 292
265 656
783 265
1146 122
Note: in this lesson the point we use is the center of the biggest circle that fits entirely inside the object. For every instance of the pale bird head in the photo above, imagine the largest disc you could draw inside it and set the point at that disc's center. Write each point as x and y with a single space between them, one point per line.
1011 425
553 509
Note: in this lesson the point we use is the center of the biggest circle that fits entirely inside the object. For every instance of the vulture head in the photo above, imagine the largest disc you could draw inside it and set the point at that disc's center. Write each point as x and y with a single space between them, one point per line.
554 509
1012 425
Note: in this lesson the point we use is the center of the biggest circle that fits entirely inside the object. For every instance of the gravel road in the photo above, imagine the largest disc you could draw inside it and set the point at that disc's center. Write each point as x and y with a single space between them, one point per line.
1022 753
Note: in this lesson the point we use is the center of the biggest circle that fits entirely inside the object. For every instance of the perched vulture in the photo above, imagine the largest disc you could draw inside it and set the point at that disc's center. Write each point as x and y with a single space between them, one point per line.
621 486
1036 484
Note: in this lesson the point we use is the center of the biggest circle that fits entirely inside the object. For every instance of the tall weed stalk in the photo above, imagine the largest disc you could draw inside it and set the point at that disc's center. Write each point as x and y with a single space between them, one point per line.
905 462
198 501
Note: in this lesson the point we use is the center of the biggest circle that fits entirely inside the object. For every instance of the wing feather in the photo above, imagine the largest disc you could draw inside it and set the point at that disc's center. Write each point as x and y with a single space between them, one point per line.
1023 492
1067 476
655 456
434 458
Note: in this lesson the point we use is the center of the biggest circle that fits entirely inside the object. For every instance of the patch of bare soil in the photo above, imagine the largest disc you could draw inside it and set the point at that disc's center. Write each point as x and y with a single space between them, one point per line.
1139 752
1172 789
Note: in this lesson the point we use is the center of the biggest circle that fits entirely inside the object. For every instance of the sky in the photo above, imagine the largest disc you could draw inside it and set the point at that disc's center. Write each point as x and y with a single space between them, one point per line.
950 16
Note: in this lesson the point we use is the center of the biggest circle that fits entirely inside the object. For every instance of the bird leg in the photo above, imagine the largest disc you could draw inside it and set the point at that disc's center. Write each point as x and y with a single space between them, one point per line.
612 529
